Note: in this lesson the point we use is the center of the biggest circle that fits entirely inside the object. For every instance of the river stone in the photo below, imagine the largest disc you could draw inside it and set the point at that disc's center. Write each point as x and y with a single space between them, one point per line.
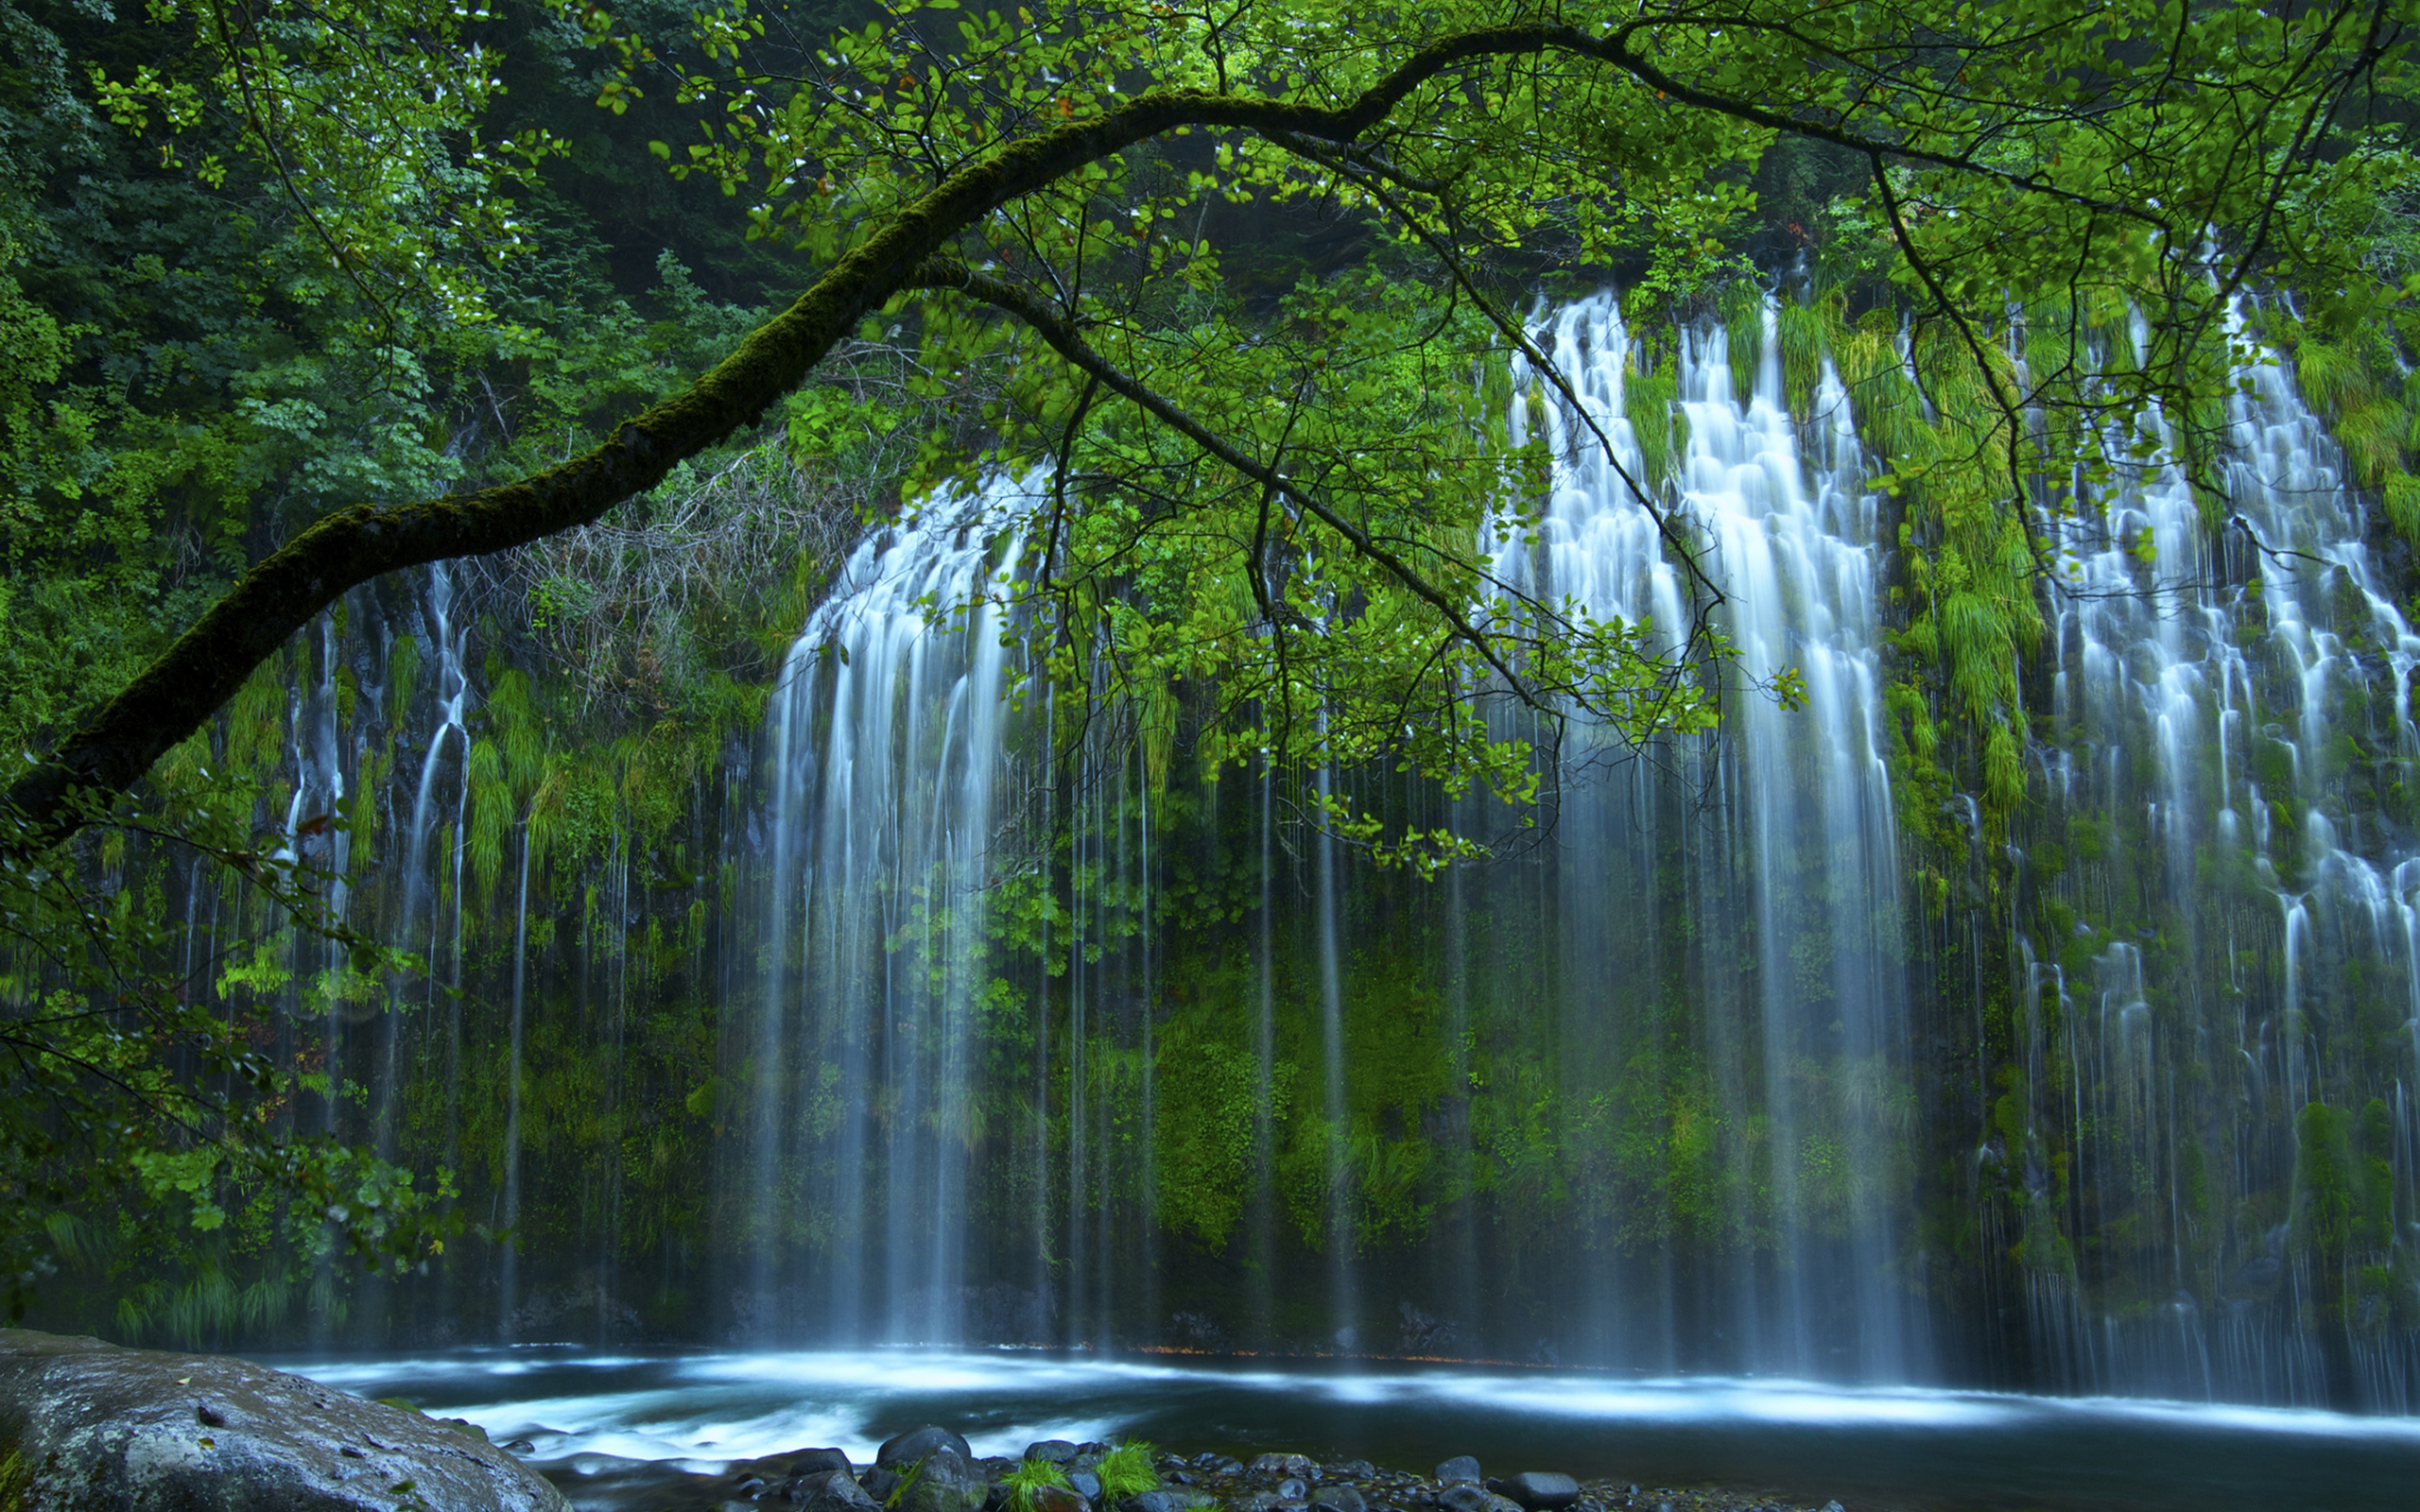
1352 1469
1464 1497
1056 1499
1542 1490
1057 1451
1338 1499
1218 1464
813 1461
1087 1485
1164 1500
899 1453
1293 1488
1461 1469
97 1428
828 1490
879 1483
1276 1467
944 1481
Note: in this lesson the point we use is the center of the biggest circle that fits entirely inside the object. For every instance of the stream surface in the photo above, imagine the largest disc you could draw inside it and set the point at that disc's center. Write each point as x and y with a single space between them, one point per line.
604 1425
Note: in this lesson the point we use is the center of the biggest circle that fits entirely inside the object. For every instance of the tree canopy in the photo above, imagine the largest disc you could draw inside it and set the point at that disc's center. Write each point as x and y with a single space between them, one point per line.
1039 182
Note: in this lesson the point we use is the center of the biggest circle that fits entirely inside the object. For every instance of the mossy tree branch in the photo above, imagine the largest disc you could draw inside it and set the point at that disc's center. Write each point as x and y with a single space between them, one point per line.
177 693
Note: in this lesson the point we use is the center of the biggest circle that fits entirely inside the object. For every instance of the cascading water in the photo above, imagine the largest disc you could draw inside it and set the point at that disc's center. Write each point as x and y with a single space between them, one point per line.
1028 1034
1767 853
2239 696
886 743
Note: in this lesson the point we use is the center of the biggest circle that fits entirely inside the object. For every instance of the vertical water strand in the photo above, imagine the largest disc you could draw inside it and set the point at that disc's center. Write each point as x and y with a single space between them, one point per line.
1043 1012
509 1283
1261 1233
767 1197
1147 1005
1107 872
1344 1300
1457 1265
451 690
1079 1058
975 748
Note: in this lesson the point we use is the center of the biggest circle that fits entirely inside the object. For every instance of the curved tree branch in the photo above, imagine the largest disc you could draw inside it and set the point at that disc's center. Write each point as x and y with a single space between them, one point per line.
942 274
174 695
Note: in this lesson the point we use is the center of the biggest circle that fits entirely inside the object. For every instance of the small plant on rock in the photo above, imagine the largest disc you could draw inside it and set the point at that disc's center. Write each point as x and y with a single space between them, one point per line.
1126 1471
1031 1476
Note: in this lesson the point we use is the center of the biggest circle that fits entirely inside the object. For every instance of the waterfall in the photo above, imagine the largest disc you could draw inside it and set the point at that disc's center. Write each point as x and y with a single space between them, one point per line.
887 733
1784 1029
2236 691
1697 1079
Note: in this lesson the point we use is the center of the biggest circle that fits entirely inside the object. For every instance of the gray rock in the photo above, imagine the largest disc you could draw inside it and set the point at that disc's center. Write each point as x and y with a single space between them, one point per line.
1293 1488
879 1483
1055 1499
1340 1499
1461 1469
1057 1451
996 1468
1164 1500
1352 1469
898 1453
1087 1485
1833 1506
1276 1467
1253 1501
1542 1490
1218 1464
828 1491
943 1481
99 1426
1464 1497
813 1461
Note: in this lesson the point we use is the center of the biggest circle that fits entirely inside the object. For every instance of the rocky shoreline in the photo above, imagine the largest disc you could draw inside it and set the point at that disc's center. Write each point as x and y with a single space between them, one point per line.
932 1470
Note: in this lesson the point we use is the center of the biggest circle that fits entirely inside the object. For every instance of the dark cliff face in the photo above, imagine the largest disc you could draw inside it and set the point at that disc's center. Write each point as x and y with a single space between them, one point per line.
1795 1050
89 1427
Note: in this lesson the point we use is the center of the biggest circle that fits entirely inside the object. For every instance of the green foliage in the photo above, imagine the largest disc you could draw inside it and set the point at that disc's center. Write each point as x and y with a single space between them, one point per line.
1029 1476
141 1122
1126 1471
2325 1194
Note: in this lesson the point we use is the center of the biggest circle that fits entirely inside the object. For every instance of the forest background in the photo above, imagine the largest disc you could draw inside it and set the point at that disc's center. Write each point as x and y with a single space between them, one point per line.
266 264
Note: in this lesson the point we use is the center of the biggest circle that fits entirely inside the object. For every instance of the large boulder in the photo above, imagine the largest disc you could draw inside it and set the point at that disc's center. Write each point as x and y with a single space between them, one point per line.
828 1490
898 1453
943 1481
97 1428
